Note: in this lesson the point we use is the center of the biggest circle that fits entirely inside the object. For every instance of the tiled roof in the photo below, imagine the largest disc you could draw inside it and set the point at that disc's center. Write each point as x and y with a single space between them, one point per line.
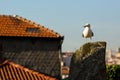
12 71
47 62
19 26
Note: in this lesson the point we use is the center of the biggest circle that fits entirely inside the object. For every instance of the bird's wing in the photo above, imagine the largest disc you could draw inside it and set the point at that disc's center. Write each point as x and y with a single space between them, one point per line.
92 34
82 35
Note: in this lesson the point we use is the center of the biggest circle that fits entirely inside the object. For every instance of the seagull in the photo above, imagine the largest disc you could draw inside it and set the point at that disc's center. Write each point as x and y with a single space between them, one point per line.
87 33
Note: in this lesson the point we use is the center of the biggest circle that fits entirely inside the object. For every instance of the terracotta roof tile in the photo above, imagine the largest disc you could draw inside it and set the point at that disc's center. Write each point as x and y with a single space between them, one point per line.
65 70
12 71
18 26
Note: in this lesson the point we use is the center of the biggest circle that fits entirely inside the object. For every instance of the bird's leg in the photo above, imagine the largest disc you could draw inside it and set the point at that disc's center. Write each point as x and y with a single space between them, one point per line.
85 40
90 39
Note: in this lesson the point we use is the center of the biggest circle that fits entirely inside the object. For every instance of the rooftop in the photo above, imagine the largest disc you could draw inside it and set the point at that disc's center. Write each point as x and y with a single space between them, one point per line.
14 25
12 71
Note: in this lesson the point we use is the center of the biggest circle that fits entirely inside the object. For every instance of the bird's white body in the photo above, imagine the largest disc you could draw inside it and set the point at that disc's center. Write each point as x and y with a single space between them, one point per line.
87 33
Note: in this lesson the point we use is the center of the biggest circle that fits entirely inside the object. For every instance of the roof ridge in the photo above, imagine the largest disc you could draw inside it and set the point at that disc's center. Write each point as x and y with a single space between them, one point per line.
4 62
23 19
26 20
34 23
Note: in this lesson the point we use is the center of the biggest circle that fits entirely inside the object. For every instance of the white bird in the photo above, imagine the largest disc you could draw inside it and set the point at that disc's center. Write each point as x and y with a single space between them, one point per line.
87 33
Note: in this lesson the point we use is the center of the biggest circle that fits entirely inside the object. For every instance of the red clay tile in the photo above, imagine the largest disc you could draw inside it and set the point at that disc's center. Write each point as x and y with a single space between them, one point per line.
12 71
17 26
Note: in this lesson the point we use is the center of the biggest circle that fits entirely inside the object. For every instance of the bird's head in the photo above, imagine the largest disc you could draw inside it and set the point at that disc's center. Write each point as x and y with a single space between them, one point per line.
87 25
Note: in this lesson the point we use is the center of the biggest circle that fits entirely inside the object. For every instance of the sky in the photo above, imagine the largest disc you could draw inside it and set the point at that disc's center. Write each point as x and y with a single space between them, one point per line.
67 17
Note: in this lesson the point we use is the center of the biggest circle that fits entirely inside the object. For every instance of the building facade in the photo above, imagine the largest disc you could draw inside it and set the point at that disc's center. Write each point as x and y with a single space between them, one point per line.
31 45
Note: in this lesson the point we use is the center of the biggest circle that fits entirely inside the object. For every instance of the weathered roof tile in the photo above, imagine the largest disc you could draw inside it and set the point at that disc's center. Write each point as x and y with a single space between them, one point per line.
12 71
17 26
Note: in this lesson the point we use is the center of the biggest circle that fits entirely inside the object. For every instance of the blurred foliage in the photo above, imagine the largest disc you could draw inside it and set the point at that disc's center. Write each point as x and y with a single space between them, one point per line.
113 72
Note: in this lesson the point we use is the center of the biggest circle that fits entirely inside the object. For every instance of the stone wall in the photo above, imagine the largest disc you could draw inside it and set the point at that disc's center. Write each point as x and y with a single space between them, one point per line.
88 62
